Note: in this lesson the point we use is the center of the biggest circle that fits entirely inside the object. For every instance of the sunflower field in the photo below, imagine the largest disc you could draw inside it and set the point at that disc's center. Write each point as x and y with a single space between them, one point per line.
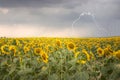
60 58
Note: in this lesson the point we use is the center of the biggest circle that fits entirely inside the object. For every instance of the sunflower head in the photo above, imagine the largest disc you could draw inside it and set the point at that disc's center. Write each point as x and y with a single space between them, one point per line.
26 49
86 54
100 52
44 57
5 49
13 49
37 51
92 55
108 51
58 43
71 46
76 54
118 54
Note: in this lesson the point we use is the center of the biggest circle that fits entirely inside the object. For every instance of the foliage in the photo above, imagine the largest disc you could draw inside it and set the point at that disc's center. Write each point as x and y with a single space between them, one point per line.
60 58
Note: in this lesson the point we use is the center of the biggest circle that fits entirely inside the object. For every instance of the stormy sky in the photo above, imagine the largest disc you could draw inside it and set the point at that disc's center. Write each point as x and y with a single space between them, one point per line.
59 18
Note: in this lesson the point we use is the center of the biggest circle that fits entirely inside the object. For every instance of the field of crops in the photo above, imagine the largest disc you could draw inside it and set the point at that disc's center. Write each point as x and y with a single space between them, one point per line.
60 58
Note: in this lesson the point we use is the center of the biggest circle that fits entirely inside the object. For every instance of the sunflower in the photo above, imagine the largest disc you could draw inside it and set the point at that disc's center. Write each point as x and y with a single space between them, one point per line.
13 49
76 54
109 46
17 42
100 52
87 54
71 46
117 54
37 51
48 48
81 61
92 55
106 51
44 57
5 49
58 43
26 49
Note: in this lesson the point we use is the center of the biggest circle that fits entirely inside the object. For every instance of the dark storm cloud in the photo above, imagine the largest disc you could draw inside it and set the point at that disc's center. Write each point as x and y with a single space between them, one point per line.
104 8
41 3
62 13
26 3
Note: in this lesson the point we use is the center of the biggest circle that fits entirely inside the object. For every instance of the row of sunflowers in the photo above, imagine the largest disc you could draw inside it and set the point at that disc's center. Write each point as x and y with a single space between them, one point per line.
60 58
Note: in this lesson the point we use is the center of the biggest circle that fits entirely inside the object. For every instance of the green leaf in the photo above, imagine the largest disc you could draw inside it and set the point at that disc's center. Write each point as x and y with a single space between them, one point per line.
25 71
53 77
72 62
12 69
84 76
81 76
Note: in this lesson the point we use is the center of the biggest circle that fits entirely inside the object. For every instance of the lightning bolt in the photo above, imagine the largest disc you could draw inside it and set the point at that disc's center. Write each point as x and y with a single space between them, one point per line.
93 18
82 14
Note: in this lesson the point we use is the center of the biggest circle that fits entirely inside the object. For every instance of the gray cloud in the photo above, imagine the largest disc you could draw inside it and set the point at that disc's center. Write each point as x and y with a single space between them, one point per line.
41 3
59 14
